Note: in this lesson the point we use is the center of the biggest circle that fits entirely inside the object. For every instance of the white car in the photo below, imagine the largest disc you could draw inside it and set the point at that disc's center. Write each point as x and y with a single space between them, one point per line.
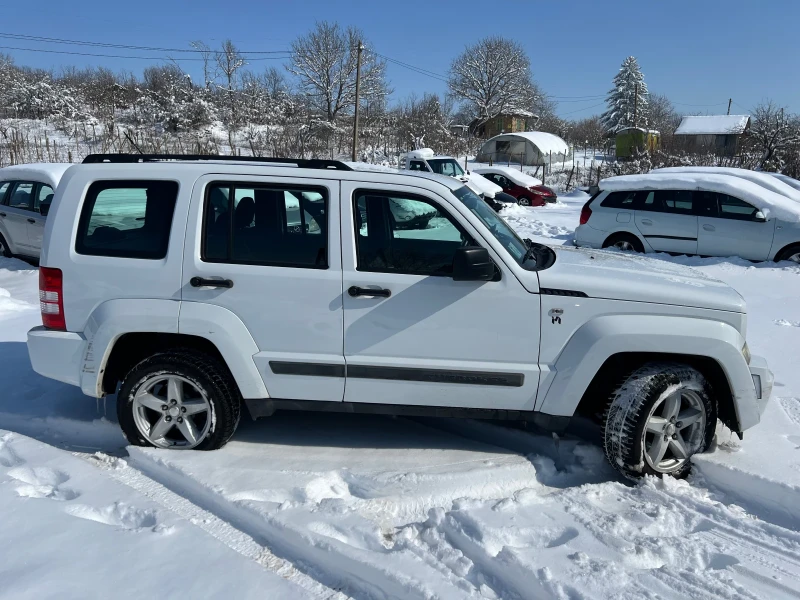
768 181
425 160
26 192
703 213
182 281
790 181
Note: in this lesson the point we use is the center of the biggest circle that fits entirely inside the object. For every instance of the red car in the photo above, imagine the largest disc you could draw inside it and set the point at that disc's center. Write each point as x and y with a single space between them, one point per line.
528 190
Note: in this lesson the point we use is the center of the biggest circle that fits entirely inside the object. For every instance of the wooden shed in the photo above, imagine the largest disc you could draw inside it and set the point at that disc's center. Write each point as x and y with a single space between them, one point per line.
720 134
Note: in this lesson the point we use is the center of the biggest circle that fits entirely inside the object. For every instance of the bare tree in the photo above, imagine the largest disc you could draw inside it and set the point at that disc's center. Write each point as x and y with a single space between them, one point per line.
588 132
493 77
325 63
230 62
662 117
772 133
205 54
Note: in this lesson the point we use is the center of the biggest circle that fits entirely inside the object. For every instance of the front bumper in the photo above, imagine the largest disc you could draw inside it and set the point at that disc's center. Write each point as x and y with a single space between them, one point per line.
57 354
763 380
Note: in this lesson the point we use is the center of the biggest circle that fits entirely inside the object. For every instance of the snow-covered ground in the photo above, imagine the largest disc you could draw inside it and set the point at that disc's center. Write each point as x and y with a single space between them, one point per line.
331 506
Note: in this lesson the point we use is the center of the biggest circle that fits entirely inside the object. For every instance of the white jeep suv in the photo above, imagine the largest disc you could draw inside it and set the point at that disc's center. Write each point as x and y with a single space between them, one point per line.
186 286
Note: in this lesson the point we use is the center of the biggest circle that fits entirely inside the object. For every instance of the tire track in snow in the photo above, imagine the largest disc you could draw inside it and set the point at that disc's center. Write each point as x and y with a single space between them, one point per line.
237 540
372 572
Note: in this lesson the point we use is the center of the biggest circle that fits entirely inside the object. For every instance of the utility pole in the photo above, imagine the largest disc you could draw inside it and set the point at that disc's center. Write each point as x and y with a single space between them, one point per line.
358 91
729 105
635 102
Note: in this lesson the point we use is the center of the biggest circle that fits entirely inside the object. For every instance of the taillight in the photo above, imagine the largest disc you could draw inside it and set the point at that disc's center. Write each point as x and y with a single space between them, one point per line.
586 212
51 298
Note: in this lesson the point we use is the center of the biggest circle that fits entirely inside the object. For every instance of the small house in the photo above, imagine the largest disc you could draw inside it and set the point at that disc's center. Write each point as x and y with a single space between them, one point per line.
509 122
532 148
720 134
631 140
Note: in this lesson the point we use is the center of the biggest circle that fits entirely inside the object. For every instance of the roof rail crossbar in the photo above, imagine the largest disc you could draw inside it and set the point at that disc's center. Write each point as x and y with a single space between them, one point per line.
306 163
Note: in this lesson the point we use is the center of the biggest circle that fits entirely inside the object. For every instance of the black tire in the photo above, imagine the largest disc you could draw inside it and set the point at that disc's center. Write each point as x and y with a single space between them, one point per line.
202 371
4 249
523 201
620 239
789 251
635 402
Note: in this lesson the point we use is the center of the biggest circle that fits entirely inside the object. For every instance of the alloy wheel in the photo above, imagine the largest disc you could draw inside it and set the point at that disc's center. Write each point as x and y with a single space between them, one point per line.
625 246
172 412
674 431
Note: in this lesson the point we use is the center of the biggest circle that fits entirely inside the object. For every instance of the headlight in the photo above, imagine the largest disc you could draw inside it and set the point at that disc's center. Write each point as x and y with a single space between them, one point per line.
746 353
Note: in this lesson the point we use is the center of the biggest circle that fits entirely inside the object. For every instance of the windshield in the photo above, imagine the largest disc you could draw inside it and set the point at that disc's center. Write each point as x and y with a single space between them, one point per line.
446 166
516 247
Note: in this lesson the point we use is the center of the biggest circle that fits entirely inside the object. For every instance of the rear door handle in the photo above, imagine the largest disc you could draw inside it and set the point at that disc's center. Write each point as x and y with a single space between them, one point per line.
202 282
709 227
31 220
356 291
646 222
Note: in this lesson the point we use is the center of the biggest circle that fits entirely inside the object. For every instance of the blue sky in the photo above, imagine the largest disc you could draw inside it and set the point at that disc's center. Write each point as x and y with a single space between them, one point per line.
699 53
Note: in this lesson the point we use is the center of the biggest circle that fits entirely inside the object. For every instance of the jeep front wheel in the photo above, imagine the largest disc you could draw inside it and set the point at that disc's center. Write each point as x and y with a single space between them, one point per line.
180 399
657 419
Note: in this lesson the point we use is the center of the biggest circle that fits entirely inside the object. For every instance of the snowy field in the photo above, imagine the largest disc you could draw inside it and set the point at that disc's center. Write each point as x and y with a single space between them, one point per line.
337 506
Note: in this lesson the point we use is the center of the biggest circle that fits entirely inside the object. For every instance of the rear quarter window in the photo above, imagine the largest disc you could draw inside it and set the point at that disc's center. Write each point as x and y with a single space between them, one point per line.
127 219
620 200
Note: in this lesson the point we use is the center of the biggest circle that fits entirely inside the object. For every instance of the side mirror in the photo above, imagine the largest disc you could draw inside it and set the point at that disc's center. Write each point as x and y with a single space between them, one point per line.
473 264
759 217
44 209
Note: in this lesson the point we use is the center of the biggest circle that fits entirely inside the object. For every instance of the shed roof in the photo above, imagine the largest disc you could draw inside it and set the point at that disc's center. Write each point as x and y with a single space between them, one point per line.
545 142
713 125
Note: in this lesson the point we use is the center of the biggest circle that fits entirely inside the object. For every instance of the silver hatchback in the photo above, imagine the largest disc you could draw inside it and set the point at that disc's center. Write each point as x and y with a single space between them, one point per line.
26 192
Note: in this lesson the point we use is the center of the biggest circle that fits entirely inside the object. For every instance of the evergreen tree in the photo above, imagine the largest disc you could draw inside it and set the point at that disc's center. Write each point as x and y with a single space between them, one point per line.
627 100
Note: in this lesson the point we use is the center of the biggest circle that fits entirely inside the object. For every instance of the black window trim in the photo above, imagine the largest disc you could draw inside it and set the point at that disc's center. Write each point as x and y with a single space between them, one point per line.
272 186
407 196
642 207
87 206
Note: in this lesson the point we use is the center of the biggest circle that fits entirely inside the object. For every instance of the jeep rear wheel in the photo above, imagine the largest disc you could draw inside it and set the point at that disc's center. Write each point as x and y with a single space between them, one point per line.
181 399
657 419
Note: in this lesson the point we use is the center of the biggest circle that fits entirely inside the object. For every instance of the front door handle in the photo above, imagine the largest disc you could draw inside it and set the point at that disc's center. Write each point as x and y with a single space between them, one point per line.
31 220
202 282
709 227
356 291
646 222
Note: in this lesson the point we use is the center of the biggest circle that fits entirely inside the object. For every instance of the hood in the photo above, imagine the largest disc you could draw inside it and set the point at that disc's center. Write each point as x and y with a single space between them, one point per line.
620 276
480 185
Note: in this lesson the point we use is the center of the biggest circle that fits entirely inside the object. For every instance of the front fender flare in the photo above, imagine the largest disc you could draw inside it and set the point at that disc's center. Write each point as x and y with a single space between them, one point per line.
564 382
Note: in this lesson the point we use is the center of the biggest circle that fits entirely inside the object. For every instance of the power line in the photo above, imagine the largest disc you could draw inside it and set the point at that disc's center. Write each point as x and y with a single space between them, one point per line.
687 104
418 70
580 109
131 57
51 40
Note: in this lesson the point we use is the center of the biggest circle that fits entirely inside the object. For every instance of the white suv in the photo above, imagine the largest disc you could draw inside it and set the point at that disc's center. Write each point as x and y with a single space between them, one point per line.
26 192
687 212
186 287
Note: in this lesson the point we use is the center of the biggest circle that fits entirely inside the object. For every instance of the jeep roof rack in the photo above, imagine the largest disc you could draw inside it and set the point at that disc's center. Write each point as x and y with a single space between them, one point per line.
306 163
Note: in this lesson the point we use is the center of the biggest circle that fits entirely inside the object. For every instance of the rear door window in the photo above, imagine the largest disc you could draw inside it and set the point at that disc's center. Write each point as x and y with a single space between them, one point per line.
43 196
266 225
669 201
127 219
22 196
